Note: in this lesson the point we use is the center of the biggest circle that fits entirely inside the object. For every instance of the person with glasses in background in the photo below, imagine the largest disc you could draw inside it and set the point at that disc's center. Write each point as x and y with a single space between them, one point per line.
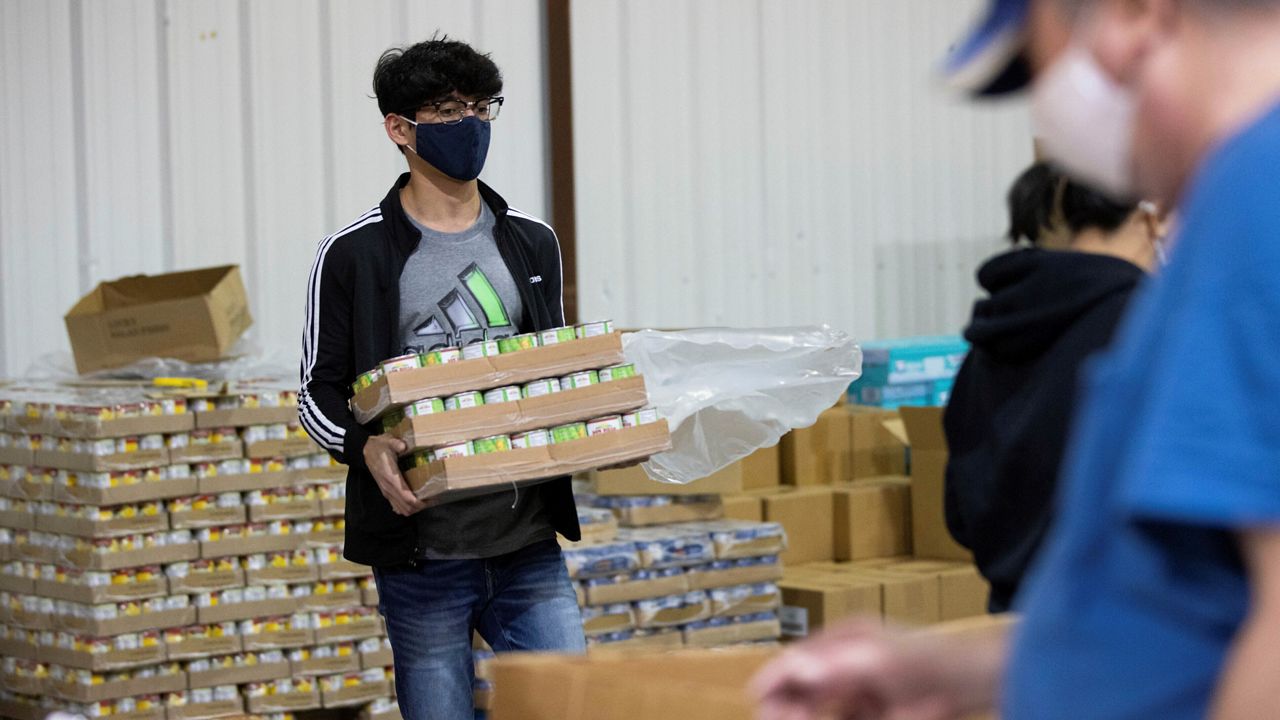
441 261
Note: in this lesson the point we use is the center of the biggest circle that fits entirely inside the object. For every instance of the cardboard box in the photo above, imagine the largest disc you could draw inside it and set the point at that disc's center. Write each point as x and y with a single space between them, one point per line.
216 484
343 569
16 584
17 520
357 629
820 454
171 618
234 546
873 519
321 475
115 689
762 469
102 594
909 599
18 649
192 648
607 623
163 555
359 694
369 596
632 590
17 456
82 527
103 662
284 702
24 684
243 417
262 672
279 640
195 316
733 633
291 510
962 591
381 658
208 517
743 507
212 581
483 701
81 462
400 388
335 665
207 711
97 428
634 481
210 452
331 601
930 537
333 507
287 448
728 604
875 450
709 508
456 478
813 602
589 403
808 515
705 579
649 642
702 684
244 611
126 494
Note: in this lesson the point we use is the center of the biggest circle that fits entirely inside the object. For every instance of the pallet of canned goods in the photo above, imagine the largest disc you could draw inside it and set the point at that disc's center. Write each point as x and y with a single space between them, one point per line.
503 462
511 361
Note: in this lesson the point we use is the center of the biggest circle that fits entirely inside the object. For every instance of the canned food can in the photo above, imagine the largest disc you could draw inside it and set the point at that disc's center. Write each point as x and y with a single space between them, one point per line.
429 406
443 356
617 372
593 329
465 449
599 426
486 348
557 335
516 343
538 388
422 458
643 416
465 400
404 362
580 380
566 433
502 395
489 445
531 439
390 420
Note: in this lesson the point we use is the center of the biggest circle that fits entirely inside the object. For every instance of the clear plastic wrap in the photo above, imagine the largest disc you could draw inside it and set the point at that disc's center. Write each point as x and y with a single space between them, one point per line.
727 392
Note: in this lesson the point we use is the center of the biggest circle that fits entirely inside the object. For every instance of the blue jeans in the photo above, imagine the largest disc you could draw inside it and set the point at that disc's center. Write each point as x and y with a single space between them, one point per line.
519 601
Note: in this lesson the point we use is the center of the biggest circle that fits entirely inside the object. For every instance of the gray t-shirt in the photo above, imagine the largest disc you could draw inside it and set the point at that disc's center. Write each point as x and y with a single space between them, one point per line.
456 289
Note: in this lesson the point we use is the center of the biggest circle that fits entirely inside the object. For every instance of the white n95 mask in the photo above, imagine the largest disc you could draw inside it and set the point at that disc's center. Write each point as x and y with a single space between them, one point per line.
1086 122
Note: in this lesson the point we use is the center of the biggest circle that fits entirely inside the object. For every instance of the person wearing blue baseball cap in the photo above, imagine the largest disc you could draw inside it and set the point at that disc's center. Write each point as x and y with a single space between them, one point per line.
1158 592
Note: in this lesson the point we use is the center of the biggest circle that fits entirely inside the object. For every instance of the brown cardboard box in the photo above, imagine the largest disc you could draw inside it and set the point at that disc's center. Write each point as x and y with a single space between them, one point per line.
196 315
610 622
207 711
81 462
357 629
701 684
279 640
244 611
321 476
634 481
762 469
211 581
455 478
163 555
702 579
330 601
342 569
102 594
874 450
733 634
651 642
287 448
930 537
15 584
242 417
284 702
16 456
743 507
102 662
589 403
380 658
732 604
808 515
813 602
17 520
174 617
115 689
400 388
909 598
126 494
819 454
632 590
98 428
707 508
873 519
246 482
236 546
650 616
962 590
208 517
211 452
81 527
358 694
262 672
335 665
289 510
192 648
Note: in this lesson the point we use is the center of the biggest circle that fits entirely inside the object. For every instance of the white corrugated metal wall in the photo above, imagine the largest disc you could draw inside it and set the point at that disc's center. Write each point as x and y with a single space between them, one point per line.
771 162
151 135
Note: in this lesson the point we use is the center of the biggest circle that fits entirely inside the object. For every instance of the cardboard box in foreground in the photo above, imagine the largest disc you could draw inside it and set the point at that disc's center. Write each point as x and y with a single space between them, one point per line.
196 315
930 537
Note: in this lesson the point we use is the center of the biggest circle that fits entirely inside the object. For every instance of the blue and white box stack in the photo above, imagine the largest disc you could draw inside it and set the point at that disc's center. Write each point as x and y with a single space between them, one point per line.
909 371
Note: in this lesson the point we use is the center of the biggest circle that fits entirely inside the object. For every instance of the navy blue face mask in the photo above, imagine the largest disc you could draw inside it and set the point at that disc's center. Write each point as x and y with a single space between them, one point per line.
458 150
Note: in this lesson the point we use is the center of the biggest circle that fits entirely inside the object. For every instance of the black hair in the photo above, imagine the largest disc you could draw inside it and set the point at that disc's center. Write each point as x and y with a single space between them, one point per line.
407 78
1044 198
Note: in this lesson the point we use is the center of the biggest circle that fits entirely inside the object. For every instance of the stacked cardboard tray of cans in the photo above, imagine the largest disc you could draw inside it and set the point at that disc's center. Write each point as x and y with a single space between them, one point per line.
175 557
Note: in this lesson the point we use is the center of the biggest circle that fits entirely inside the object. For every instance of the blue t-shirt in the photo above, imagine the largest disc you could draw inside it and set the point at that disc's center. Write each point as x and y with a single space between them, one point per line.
1133 606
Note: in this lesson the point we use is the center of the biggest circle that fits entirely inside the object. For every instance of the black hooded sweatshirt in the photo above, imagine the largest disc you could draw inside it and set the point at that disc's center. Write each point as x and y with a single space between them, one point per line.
1010 412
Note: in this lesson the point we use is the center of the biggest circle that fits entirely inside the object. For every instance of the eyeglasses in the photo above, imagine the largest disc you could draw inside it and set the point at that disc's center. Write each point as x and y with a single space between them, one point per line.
452 111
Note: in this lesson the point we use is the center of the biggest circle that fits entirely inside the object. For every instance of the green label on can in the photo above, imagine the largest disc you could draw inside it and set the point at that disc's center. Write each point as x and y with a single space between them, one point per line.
391 420
464 401
594 329
531 439
497 443
423 458
580 380
516 343
558 335
617 372
502 395
566 433
538 388
429 406
460 450
476 350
